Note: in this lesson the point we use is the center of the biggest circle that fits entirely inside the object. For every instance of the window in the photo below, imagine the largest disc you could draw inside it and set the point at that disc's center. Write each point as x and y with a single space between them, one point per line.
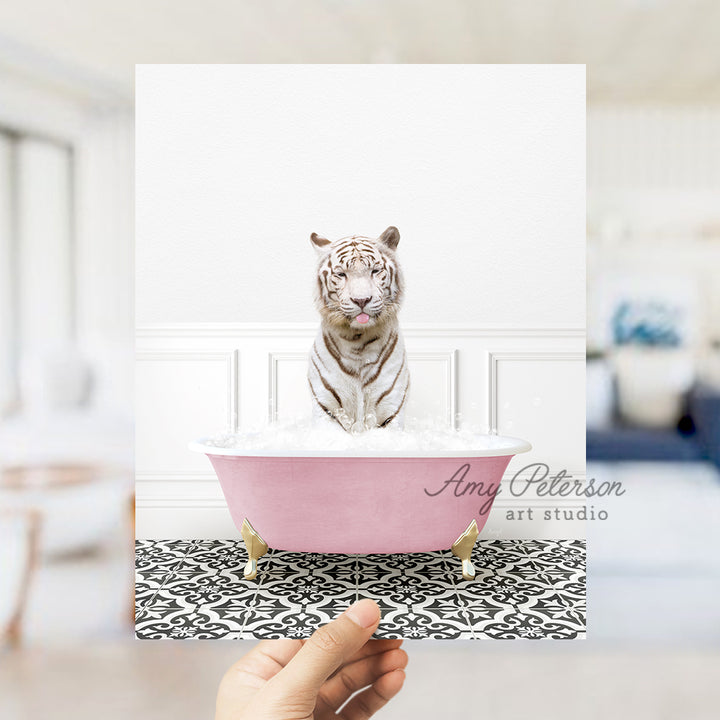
37 265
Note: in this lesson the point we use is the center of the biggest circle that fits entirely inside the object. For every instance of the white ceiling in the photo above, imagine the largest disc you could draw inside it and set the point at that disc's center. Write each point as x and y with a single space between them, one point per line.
635 50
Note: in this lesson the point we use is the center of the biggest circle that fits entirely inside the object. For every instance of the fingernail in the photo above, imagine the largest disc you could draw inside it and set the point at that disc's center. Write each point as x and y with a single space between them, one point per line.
364 613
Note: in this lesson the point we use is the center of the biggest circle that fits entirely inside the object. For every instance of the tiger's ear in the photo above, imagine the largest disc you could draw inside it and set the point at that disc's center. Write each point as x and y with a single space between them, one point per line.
391 237
321 244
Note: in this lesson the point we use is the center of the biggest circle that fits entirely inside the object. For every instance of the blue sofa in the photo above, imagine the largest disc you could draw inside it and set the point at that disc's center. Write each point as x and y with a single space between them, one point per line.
697 436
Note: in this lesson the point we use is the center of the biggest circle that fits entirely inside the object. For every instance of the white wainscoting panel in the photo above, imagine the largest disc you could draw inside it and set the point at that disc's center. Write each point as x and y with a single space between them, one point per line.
181 396
196 380
289 390
541 396
433 390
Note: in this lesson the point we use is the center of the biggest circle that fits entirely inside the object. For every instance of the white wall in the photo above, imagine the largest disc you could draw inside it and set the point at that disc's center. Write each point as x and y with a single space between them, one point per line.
480 167
482 170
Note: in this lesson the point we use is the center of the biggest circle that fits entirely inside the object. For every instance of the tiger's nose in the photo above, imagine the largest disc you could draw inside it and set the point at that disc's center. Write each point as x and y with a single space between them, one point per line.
361 302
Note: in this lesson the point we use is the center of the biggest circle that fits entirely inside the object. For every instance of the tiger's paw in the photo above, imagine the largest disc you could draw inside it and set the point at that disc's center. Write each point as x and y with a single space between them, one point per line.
371 421
367 423
343 418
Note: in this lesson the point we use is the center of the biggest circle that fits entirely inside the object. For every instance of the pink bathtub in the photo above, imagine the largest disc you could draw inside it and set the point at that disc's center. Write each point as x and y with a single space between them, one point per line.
361 503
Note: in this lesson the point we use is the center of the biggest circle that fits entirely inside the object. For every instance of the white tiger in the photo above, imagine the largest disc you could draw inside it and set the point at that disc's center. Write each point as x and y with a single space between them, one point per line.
358 371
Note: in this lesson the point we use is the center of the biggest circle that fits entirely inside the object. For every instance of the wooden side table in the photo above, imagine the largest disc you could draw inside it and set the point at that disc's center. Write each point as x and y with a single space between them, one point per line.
28 533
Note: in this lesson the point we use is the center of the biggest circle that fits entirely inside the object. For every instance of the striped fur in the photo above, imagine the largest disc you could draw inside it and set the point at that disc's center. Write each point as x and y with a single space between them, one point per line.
358 373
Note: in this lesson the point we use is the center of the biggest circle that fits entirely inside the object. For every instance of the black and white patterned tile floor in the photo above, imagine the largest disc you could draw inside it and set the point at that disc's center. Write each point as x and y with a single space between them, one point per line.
523 589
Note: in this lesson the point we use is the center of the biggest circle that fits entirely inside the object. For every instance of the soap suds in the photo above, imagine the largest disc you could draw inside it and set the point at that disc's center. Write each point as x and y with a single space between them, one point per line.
305 436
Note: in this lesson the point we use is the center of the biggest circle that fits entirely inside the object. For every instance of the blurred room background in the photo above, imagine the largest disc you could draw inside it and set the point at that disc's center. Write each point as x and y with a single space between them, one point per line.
66 345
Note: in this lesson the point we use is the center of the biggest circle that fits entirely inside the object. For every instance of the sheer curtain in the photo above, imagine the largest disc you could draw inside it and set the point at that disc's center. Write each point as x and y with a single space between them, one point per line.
37 260
8 334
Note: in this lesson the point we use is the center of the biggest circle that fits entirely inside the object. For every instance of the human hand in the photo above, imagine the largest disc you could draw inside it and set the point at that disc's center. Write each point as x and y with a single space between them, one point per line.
312 679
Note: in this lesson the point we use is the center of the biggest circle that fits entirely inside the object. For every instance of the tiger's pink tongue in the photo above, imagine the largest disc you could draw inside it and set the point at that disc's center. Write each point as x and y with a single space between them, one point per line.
362 318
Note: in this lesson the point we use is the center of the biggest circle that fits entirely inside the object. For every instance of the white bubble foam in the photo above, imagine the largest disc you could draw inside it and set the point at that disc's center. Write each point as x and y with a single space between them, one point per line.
305 436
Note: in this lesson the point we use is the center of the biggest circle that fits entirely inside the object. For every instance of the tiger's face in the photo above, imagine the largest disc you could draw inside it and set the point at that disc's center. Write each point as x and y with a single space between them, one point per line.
359 282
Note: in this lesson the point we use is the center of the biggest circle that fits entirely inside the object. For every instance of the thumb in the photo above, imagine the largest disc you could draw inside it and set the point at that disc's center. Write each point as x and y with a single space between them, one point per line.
328 648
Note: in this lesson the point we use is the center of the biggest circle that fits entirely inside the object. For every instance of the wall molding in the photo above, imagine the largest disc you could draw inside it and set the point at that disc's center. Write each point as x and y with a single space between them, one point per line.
273 359
409 330
495 357
187 502
231 358
168 477
450 358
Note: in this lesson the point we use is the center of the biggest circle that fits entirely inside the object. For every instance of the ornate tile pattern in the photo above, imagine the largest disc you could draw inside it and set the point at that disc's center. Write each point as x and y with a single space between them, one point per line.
523 589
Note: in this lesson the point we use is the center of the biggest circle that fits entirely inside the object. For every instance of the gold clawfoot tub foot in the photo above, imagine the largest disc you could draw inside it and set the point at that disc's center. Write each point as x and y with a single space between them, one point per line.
256 548
462 548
